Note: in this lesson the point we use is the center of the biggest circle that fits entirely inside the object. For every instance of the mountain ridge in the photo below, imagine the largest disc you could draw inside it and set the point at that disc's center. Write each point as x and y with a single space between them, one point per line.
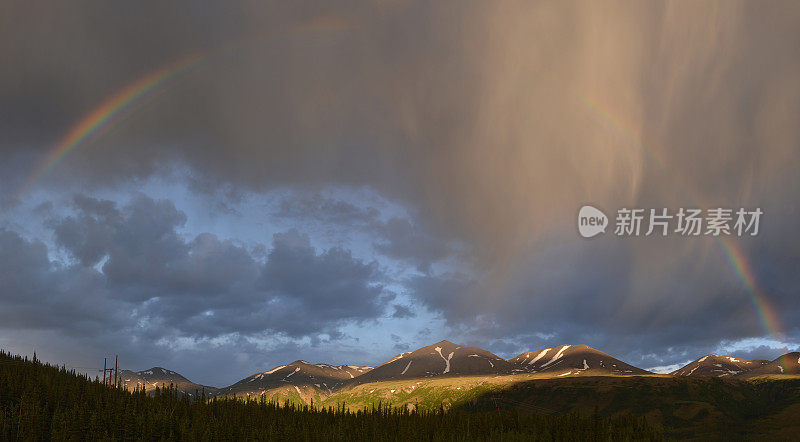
162 378
571 360
447 359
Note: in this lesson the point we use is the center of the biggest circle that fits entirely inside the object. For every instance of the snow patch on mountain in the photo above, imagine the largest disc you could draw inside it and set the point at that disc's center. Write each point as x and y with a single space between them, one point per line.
446 360
274 369
295 371
557 355
539 356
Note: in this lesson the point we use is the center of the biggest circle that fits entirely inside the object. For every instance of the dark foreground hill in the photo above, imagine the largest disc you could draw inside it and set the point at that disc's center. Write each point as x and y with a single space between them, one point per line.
696 408
42 402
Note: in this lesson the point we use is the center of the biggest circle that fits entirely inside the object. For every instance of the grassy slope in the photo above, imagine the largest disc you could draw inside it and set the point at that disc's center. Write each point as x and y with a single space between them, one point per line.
688 407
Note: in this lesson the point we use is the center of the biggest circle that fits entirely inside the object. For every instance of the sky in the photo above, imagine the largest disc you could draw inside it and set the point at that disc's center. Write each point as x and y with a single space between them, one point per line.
222 187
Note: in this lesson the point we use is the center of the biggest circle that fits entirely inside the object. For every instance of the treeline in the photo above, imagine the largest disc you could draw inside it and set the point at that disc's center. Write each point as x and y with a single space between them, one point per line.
43 402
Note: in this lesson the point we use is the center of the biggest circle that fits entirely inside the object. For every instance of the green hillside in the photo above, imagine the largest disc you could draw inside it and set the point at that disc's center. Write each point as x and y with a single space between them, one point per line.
686 407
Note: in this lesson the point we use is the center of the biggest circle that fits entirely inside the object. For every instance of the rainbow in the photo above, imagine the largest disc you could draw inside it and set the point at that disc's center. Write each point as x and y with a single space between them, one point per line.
766 312
115 109
735 256
616 124
123 104
738 261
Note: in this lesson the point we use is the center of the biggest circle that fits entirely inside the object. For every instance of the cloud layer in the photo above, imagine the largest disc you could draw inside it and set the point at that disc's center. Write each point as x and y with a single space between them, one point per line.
485 125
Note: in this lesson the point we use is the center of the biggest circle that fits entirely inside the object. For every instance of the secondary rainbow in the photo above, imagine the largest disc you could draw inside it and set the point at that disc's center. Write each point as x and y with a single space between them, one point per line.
739 263
733 252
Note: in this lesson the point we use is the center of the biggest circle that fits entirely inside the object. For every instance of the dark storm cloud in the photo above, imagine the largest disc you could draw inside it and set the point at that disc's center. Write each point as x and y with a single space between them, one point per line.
404 241
136 236
202 287
38 294
319 287
578 292
423 102
492 121
397 238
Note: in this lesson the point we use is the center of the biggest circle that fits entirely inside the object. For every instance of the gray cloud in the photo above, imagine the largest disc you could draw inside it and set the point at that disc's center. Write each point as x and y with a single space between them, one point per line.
397 238
320 287
403 311
326 210
401 240
165 284
39 294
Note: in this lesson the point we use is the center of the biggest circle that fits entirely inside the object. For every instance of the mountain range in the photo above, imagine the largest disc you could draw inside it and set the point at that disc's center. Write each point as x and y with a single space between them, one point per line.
324 377
728 366
445 359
